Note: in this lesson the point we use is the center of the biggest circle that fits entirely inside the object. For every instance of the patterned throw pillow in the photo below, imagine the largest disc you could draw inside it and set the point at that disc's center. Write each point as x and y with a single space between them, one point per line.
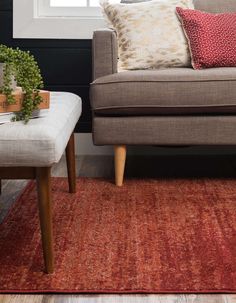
133 1
149 34
211 37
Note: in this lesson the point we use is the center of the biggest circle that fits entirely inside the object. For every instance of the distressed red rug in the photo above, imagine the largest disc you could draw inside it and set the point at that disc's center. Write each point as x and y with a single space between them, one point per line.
150 236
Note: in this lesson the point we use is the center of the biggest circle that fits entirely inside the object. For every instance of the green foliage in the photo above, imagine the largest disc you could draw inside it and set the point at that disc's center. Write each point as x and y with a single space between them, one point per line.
22 66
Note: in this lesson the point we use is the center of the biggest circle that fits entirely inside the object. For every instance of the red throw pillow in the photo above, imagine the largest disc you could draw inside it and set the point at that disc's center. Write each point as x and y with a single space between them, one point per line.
211 37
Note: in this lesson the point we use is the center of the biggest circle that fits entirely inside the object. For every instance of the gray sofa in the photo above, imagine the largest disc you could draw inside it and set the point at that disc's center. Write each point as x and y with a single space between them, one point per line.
175 106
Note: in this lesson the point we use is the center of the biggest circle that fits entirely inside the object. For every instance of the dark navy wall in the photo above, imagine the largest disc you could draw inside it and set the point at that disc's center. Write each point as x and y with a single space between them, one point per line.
65 64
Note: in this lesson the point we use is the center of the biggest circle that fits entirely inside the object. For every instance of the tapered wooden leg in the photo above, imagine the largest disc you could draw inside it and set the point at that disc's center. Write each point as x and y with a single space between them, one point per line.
70 161
120 157
43 175
0 186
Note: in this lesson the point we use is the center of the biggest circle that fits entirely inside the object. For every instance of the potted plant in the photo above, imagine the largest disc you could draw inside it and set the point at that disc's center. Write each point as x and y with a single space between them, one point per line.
19 67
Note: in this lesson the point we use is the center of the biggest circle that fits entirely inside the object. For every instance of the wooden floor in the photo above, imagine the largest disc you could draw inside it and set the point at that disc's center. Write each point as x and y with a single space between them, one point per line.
137 167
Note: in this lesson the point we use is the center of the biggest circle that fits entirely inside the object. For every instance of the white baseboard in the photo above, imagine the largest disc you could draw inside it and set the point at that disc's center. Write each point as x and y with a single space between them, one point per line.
84 146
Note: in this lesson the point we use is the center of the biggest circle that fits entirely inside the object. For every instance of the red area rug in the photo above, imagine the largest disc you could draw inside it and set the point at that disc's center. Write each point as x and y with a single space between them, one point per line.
150 236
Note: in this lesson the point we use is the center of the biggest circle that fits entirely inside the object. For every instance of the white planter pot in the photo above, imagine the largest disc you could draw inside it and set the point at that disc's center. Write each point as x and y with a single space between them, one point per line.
13 82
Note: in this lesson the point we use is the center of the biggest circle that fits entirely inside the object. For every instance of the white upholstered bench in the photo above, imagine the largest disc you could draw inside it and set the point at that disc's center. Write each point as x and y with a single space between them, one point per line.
28 151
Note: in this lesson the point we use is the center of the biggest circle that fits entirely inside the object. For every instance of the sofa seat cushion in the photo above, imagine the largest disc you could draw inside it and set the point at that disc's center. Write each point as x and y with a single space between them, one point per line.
42 141
174 91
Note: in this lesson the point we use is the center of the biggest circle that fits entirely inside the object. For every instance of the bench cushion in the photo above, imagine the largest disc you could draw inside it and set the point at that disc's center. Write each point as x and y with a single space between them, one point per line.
174 91
43 140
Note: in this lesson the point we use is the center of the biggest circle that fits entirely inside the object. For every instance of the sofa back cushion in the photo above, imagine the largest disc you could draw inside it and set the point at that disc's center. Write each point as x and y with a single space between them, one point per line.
210 6
215 6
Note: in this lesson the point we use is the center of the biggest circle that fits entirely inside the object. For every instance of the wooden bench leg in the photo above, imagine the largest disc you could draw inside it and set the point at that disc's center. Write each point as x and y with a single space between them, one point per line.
120 157
43 176
70 161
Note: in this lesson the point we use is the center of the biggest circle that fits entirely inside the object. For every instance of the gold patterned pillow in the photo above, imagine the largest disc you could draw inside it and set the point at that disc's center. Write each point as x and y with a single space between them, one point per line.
133 1
149 34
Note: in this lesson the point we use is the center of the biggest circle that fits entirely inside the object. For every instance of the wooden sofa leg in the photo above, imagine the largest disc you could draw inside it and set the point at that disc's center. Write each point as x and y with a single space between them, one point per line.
70 161
120 157
43 175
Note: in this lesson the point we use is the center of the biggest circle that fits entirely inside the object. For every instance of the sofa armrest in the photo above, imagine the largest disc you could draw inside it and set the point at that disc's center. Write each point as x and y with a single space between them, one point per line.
104 52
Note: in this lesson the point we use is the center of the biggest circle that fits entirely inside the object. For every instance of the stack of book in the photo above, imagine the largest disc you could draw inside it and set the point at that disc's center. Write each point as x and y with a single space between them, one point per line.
7 110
